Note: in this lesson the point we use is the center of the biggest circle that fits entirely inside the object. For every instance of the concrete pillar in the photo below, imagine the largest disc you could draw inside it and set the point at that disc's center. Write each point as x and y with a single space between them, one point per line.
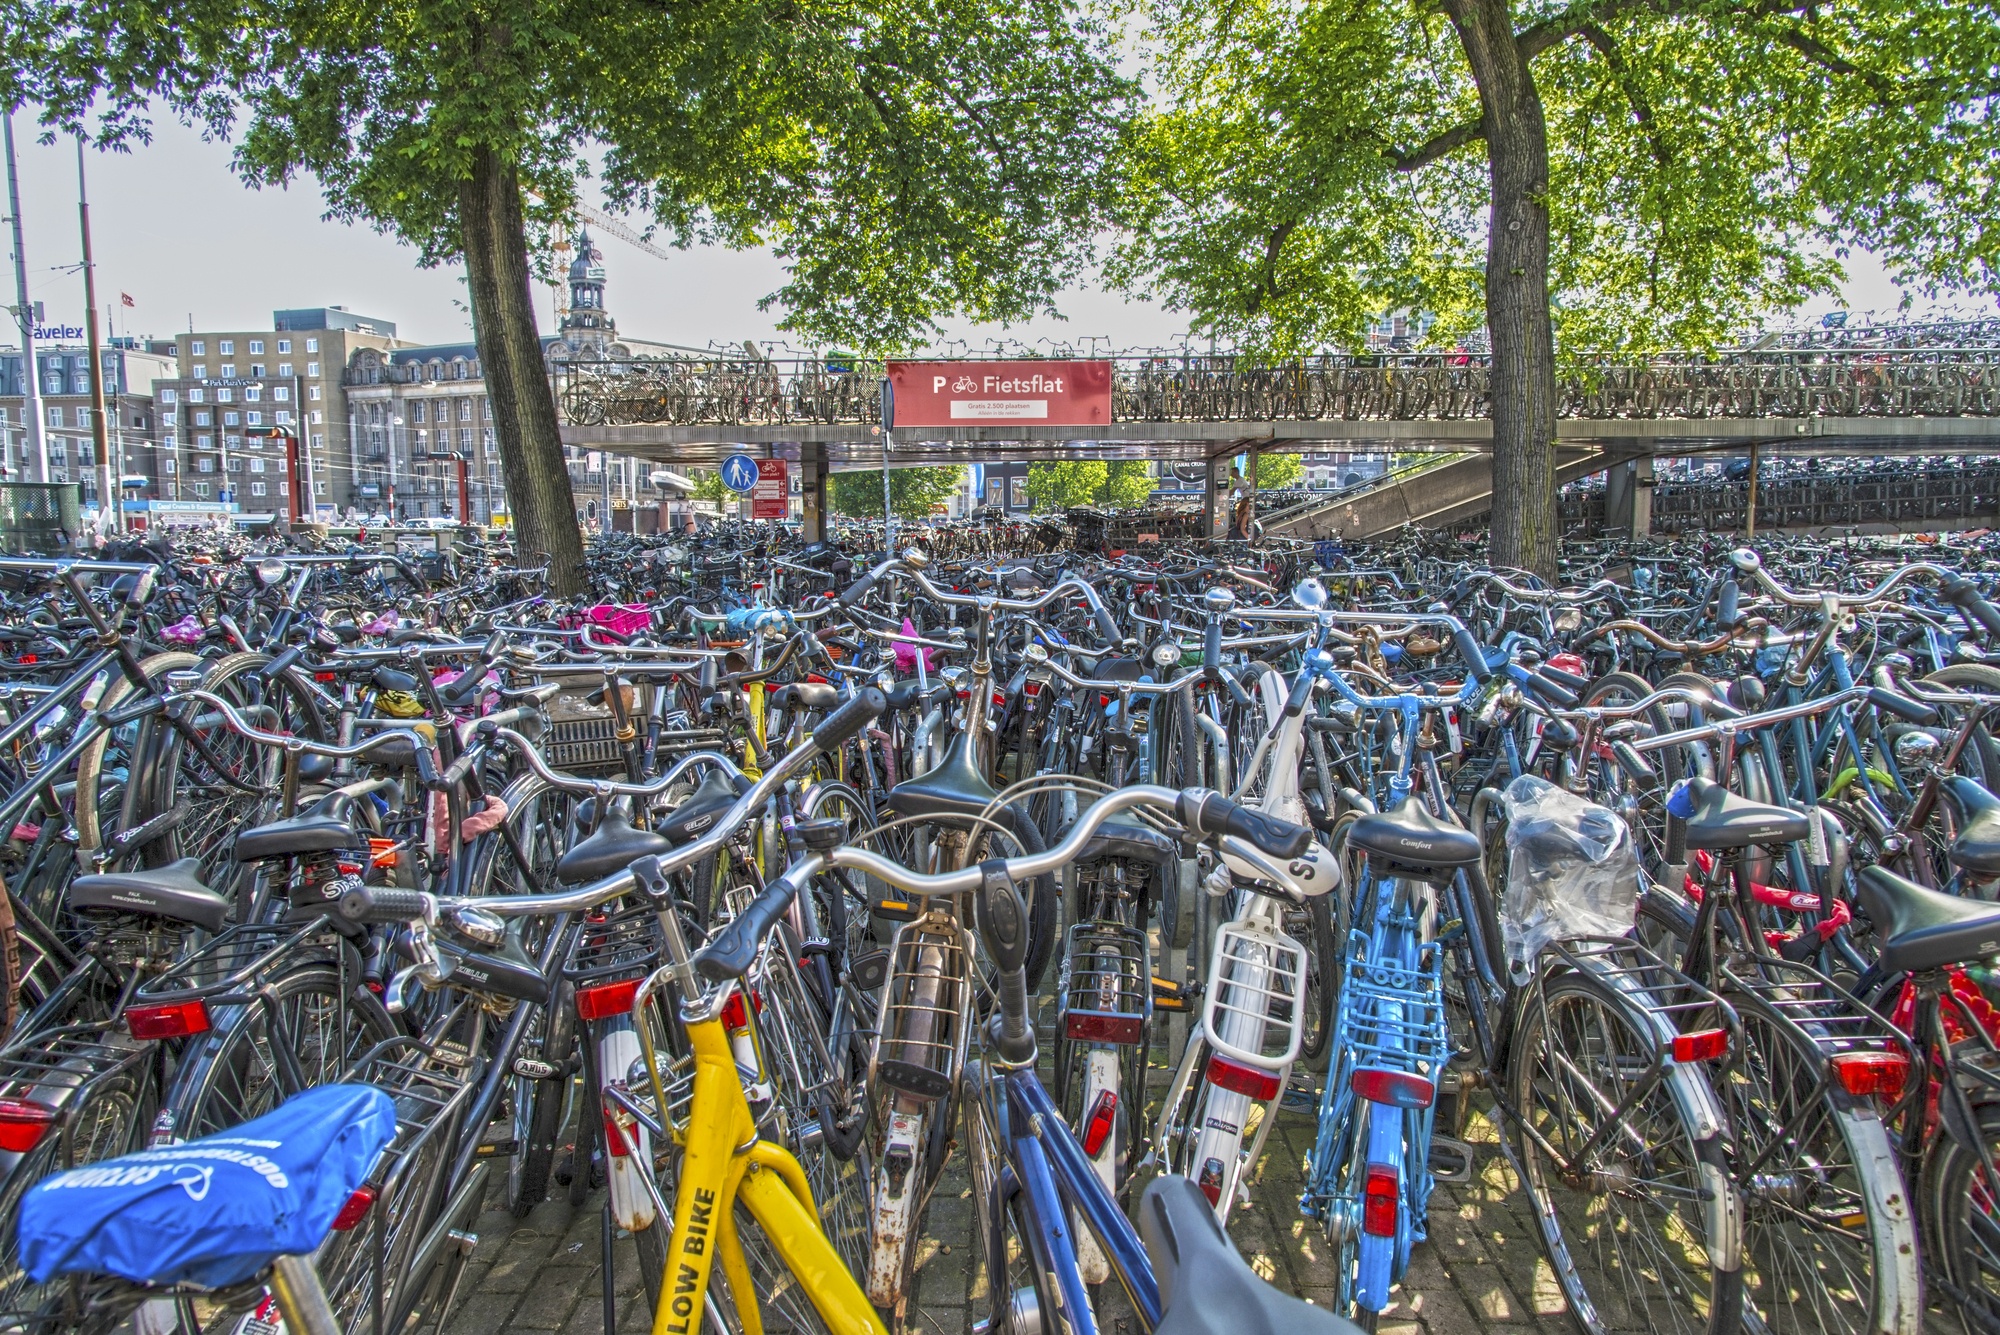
1215 498
812 491
1628 498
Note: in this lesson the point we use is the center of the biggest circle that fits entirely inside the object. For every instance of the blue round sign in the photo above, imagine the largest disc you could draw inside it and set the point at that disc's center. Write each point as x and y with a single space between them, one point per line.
739 473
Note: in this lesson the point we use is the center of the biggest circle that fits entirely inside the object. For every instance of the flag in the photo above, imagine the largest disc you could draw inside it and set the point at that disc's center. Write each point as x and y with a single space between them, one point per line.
125 299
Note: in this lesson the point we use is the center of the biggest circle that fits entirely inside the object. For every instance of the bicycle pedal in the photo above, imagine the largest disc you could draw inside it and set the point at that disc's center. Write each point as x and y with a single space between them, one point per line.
1450 1160
1298 1098
1169 996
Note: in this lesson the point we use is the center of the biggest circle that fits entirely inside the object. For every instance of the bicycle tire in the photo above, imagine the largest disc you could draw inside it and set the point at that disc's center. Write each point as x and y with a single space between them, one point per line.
1691 1280
94 818
1961 1222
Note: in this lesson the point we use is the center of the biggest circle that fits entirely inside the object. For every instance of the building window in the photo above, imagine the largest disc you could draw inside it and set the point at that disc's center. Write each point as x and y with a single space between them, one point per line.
312 345
284 368
1017 492
198 348
83 454
198 371
256 465
169 396
282 393
253 393
204 442
231 419
201 491
256 489
281 417
230 442
226 347
417 411
236 464
253 419
169 464
284 346
229 370
55 415
313 393
204 419
319 442
166 419
197 395
204 465
465 410
256 347
465 438
257 370
225 395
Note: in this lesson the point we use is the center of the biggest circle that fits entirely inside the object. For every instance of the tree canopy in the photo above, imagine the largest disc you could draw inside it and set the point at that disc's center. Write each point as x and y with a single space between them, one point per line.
1118 483
915 492
1278 470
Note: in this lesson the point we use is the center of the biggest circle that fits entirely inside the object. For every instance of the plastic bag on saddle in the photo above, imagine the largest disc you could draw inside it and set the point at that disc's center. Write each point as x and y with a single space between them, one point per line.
1571 871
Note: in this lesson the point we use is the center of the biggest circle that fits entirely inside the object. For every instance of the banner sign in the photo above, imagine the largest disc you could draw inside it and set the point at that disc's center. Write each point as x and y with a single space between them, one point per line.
1021 393
771 498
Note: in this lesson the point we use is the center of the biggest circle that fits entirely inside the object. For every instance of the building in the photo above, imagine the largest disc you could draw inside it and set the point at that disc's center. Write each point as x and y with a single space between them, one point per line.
416 411
234 394
131 367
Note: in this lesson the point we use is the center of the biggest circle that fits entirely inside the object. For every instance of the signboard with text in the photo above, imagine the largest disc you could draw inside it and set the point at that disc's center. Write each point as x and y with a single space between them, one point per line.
1018 393
771 498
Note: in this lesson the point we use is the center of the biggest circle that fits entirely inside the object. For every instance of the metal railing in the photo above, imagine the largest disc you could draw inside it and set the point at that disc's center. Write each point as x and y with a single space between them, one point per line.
1774 382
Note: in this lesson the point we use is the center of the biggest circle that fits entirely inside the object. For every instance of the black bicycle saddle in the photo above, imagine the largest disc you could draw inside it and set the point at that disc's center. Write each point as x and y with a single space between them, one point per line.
1222 1294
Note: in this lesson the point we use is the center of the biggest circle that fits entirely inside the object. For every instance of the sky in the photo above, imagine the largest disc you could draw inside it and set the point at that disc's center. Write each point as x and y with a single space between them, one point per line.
174 229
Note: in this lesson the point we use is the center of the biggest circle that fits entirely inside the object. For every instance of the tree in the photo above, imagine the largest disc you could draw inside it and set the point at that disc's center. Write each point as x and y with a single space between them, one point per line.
915 492
1584 175
907 158
1276 471
1118 483
708 486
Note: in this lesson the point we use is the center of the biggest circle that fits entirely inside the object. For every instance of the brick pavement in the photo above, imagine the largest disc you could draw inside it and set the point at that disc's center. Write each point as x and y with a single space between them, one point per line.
1481 1272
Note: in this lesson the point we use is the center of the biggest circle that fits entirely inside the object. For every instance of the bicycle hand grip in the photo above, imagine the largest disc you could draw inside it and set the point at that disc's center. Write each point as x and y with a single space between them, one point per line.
1237 692
1634 764
731 952
1107 625
1211 650
1295 703
1568 679
845 722
1473 656
1977 613
858 590
384 904
1210 813
1677 843
284 662
1726 615
1902 706
1551 689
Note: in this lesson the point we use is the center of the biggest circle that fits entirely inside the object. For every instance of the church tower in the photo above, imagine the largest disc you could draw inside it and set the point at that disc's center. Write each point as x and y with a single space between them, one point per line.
587 326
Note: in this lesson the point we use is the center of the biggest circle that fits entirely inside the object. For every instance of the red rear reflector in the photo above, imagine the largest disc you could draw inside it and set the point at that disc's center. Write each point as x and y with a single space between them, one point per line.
1098 1027
1032 687
1097 1130
1871 1073
175 1021
1398 1089
1000 698
23 1124
1103 701
28 658
615 1137
1703 1045
734 1017
325 676
1240 1079
1378 1201
607 1000
355 1210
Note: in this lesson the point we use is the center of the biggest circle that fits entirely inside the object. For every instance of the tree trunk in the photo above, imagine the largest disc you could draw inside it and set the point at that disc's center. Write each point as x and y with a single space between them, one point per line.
1517 289
517 380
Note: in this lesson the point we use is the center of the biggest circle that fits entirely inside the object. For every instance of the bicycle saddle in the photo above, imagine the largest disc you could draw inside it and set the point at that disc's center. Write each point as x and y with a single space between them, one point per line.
173 891
1922 929
213 1211
806 695
324 826
1122 838
1412 841
954 788
612 847
715 794
1977 847
1122 668
1222 1292
1722 820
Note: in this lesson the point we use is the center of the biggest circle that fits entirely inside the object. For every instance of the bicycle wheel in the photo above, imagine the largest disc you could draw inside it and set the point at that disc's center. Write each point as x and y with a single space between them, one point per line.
1831 1249
108 1122
1636 1210
1018 1287
1960 1209
104 768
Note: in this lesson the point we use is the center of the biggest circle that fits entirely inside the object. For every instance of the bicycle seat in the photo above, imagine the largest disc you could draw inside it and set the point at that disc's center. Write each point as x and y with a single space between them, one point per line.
320 828
1922 929
906 693
1977 847
612 847
1222 1293
217 1210
1123 668
173 891
1132 839
715 794
807 695
954 788
1722 820
1412 841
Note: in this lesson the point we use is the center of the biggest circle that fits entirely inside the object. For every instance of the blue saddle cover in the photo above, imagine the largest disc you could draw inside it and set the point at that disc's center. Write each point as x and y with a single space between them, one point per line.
214 1211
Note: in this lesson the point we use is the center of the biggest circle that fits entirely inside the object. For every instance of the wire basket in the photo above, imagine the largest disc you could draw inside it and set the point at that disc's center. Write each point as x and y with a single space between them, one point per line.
619 948
39 518
1106 984
582 736
918 1051
1256 1003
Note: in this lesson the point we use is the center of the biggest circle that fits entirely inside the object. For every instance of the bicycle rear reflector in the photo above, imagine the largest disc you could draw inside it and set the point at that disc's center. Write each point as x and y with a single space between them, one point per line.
1398 1089
1703 1045
1872 1073
606 1000
355 1210
1378 1201
177 1020
1103 1115
23 1124
1238 1078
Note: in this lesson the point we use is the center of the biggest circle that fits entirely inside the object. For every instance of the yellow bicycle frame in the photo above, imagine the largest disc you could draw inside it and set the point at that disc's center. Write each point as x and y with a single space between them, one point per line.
723 1162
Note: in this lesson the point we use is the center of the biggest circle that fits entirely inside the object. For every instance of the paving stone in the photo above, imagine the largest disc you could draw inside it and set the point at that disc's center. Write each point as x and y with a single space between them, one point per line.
554 1295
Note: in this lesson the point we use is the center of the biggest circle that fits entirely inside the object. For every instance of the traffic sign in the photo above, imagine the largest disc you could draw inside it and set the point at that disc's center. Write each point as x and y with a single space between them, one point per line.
739 474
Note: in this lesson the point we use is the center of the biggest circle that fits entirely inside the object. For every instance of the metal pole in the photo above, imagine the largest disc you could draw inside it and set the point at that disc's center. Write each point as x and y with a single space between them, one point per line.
888 508
31 370
100 436
1750 516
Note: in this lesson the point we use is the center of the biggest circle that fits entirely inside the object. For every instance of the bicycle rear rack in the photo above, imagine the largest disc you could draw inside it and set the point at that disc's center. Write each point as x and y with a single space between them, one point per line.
622 947
1106 983
1256 998
228 968
919 1049
1392 1018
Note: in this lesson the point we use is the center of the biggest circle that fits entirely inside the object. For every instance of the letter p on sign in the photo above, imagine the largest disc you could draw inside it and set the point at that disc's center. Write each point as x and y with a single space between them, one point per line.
937 384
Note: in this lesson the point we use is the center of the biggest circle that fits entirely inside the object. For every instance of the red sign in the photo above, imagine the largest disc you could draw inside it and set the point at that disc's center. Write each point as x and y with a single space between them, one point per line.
1002 393
771 498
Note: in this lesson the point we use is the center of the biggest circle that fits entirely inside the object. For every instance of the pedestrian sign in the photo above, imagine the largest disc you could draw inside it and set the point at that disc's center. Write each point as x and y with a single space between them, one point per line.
739 473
